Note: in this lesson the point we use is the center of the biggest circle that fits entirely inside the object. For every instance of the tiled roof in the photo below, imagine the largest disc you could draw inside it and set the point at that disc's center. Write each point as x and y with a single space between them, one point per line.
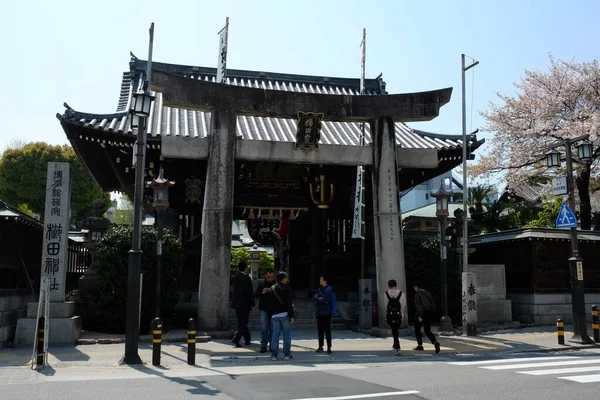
176 122
7 212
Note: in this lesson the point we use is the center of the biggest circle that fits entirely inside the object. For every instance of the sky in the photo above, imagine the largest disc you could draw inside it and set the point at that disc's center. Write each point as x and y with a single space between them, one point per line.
76 51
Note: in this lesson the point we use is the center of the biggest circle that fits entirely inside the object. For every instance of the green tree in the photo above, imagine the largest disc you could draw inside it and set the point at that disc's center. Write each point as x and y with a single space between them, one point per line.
238 254
547 215
23 178
104 311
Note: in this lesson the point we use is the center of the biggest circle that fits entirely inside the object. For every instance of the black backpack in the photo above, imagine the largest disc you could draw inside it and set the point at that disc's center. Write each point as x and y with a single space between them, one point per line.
394 312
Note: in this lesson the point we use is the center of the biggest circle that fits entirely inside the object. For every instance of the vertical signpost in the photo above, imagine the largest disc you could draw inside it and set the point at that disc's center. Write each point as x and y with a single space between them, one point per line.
56 229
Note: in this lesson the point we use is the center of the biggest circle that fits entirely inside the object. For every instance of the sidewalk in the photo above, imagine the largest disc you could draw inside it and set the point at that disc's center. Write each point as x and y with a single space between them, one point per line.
348 347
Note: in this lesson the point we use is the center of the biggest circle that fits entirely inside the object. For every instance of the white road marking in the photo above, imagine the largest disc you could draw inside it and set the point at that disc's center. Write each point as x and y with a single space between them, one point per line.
582 378
511 360
559 371
544 364
364 396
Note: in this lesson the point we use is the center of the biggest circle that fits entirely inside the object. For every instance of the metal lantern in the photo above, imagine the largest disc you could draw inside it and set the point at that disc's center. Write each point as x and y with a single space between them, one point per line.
553 158
441 200
141 103
584 151
161 187
135 120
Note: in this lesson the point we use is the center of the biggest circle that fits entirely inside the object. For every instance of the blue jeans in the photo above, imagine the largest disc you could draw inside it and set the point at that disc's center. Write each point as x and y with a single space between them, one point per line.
281 325
266 330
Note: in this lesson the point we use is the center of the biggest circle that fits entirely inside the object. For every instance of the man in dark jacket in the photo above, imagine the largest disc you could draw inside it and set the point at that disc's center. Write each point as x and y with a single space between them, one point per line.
283 317
242 303
424 309
265 300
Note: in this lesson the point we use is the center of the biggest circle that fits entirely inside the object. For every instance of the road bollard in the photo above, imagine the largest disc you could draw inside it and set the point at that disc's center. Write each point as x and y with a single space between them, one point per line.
191 359
156 340
40 342
595 325
560 331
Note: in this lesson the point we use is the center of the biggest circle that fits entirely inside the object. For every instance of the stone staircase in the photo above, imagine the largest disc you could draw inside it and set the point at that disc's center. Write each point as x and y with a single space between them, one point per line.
306 318
13 305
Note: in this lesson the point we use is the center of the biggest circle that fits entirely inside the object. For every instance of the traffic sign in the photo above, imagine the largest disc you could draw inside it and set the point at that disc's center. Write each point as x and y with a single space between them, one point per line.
566 218
559 185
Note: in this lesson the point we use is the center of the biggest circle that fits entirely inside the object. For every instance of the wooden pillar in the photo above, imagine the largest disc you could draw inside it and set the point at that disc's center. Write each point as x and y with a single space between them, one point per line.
389 245
316 246
217 219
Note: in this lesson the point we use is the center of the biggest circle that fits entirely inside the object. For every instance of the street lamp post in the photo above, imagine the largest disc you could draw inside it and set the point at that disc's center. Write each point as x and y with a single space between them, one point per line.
584 152
441 197
160 187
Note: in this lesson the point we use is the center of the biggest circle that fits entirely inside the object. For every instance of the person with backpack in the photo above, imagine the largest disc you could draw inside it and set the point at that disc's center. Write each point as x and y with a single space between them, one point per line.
396 308
424 311
283 316
325 308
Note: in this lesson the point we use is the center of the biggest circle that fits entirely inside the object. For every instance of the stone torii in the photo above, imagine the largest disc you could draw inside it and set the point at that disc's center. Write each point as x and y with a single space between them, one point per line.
225 102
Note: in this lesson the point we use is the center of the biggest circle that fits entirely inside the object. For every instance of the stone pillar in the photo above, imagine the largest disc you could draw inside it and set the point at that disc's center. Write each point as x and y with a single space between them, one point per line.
217 220
469 303
365 315
389 245
316 246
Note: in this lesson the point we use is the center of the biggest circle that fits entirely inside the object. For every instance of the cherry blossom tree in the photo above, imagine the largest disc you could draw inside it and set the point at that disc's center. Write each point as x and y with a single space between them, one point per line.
561 103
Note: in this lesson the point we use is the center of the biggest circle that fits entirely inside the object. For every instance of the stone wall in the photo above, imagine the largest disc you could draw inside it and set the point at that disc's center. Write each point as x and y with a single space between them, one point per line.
545 309
13 305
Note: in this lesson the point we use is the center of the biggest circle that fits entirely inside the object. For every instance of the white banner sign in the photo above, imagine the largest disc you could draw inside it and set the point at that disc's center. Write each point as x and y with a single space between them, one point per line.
56 229
358 204
222 64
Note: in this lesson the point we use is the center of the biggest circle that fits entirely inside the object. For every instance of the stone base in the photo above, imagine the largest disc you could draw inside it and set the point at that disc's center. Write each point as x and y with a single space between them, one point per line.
546 308
496 311
62 331
61 309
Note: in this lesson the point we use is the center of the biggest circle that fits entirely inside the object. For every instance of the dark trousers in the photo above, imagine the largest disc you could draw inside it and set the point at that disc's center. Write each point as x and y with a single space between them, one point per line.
243 315
395 328
426 324
324 329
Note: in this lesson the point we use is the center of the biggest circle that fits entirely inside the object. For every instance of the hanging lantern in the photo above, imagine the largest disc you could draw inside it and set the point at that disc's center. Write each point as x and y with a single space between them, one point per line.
251 214
553 158
584 151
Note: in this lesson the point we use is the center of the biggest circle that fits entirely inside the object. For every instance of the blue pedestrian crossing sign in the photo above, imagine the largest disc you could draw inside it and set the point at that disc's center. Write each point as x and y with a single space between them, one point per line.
566 218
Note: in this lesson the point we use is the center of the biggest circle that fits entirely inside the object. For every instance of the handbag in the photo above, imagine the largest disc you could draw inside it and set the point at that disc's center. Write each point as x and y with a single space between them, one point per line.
294 311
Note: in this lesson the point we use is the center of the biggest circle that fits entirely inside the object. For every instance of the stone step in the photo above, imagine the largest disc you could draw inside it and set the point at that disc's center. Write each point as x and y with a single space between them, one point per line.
9 303
11 317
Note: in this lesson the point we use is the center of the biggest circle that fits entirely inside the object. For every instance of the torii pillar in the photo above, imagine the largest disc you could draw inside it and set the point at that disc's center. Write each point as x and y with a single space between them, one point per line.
225 102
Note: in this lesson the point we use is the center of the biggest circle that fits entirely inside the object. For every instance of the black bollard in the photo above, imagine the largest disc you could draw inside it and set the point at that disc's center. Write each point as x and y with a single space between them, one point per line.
156 340
595 326
560 331
40 342
191 359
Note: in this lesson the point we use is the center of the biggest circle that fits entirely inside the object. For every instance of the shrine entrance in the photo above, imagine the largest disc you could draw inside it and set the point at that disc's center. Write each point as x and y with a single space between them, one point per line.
305 212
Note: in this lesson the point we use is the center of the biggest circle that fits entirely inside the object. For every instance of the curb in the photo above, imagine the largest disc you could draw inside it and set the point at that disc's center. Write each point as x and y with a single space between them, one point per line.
178 339
561 349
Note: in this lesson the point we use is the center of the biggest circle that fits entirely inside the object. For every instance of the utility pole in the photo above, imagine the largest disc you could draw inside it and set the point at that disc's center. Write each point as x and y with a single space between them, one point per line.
465 156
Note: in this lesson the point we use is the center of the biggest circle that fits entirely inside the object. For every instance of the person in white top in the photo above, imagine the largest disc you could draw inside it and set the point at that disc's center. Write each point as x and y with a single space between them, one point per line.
396 308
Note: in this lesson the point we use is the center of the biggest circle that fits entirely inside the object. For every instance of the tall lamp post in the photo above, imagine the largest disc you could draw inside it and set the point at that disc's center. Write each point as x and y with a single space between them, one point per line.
441 202
584 152
160 187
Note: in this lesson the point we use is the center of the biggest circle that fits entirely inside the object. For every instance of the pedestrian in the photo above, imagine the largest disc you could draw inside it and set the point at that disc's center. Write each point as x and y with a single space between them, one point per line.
325 308
265 307
283 317
242 303
396 308
424 310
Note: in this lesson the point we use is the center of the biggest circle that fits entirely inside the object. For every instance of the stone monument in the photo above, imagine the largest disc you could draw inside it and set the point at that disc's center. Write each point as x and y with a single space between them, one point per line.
492 305
64 327
365 307
469 303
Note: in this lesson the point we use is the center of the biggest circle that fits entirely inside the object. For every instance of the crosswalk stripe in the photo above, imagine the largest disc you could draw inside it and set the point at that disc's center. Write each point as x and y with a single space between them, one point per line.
582 378
544 364
559 371
511 360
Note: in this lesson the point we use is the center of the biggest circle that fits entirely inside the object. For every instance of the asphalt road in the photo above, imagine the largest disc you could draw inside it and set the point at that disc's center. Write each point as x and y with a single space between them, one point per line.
574 375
